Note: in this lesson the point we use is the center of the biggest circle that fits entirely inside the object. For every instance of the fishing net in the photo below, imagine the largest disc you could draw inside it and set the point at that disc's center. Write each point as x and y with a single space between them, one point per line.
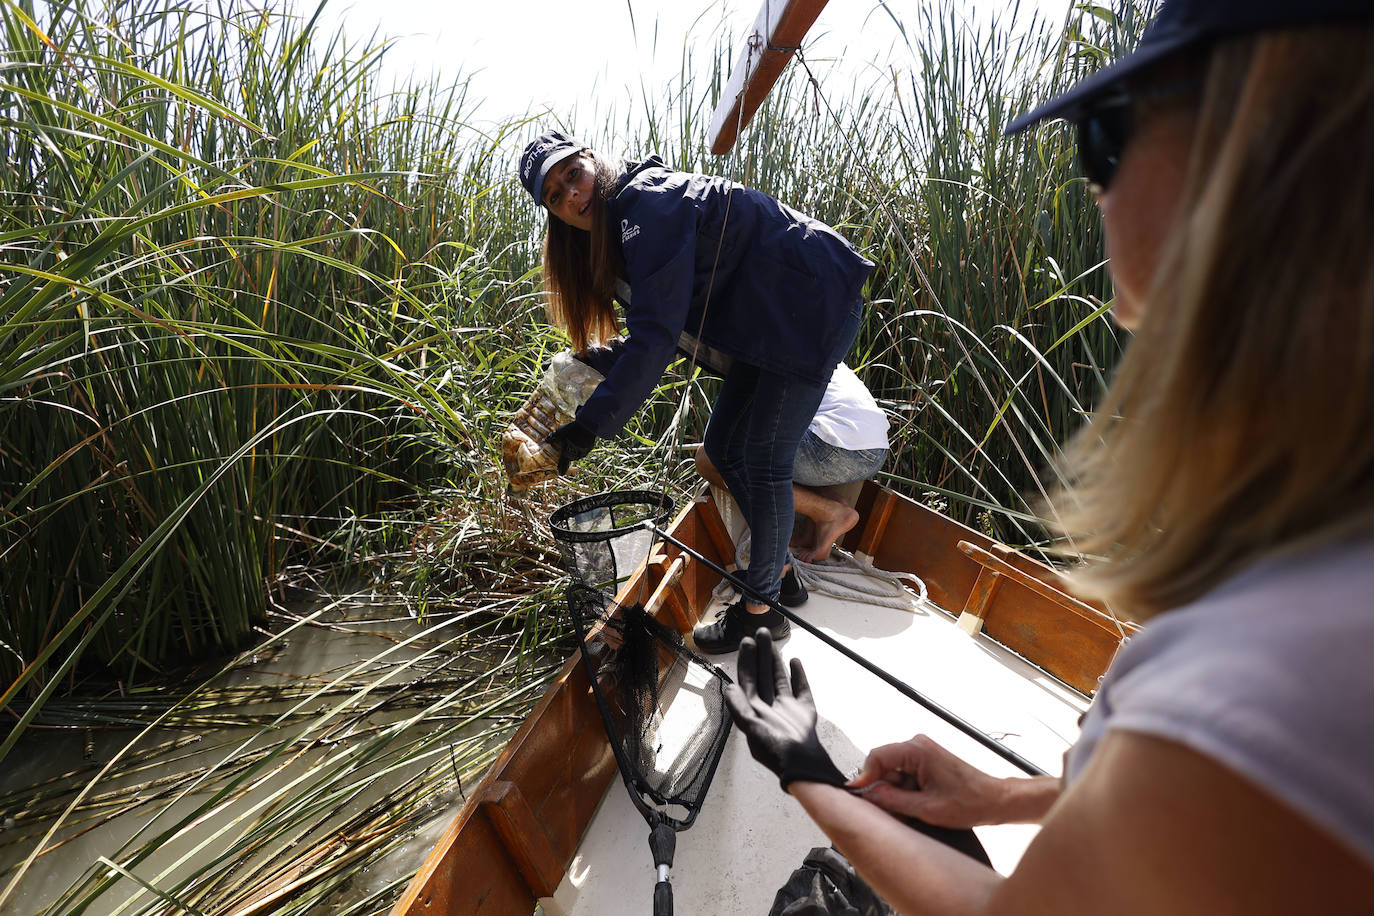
663 706
602 537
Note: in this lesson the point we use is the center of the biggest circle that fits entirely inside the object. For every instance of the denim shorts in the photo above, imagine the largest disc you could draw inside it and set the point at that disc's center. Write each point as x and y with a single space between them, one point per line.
820 464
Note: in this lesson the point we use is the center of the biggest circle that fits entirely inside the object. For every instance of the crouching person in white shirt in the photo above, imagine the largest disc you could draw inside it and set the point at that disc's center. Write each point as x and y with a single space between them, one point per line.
845 444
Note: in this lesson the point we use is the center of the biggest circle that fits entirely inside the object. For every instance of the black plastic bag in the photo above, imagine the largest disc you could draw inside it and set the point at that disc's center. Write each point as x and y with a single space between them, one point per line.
827 885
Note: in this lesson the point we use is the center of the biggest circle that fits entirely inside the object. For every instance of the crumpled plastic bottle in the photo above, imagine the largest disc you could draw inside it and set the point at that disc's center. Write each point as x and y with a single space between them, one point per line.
526 455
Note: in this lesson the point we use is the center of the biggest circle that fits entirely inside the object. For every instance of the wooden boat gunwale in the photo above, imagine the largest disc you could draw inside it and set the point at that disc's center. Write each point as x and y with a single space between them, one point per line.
516 834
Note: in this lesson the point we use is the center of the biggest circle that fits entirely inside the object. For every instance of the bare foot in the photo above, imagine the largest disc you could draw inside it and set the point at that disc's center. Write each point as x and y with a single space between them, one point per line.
831 520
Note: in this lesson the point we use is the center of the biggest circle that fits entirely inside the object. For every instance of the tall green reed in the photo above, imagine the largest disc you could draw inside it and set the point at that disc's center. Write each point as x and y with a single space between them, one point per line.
1005 314
242 289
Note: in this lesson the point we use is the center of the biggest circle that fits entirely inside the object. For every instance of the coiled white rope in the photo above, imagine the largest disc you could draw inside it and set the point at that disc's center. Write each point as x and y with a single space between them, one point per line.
843 576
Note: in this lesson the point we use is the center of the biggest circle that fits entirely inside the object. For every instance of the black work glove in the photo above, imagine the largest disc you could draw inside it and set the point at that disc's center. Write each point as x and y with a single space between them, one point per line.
604 357
574 441
777 717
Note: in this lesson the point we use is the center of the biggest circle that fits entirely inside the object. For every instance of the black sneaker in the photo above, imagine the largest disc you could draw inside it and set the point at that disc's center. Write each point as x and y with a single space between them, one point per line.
733 625
793 593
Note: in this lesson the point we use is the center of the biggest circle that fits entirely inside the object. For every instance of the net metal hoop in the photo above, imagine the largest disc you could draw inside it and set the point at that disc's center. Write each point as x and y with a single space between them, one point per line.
605 537
658 507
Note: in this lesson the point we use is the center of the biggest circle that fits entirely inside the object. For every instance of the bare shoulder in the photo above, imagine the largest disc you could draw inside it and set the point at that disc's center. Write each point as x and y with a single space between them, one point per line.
1154 827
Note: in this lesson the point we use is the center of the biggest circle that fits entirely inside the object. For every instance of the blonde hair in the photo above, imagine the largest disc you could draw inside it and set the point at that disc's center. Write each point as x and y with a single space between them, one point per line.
1241 420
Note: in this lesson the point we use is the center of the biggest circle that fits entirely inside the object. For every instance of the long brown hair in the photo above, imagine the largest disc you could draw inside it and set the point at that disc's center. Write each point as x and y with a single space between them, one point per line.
1241 420
581 268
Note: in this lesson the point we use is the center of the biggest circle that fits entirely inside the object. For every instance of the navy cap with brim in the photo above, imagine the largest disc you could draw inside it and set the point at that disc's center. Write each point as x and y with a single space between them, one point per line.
552 160
1071 104
541 155
1184 24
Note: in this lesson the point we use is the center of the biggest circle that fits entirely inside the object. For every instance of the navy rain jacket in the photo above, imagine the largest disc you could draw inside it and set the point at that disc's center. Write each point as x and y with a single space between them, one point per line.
785 297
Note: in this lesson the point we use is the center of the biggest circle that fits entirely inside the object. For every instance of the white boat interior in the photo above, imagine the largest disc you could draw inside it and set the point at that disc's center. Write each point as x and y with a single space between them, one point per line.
750 835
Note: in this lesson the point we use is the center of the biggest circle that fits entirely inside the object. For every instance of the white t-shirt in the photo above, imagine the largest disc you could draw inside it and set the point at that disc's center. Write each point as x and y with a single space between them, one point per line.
1272 676
848 417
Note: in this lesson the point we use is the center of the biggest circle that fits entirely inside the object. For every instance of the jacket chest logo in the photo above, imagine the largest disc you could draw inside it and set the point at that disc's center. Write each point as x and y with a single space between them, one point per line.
627 231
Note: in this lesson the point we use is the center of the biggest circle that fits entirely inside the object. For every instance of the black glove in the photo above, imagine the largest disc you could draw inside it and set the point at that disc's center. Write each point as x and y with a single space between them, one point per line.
777 717
574 441
602 358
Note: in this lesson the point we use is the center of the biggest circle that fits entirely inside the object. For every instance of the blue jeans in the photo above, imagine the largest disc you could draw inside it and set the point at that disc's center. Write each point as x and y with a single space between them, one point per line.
820 464
756 426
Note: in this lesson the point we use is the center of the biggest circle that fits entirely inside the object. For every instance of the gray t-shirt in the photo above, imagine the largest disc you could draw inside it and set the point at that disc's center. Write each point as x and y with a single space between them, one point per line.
1270 675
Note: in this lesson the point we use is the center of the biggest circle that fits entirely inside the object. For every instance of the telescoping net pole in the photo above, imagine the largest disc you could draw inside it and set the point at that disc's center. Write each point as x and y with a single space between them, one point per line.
977 734
662 705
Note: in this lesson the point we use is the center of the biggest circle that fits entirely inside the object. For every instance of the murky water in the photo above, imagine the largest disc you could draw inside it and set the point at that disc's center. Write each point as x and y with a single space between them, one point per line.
314 774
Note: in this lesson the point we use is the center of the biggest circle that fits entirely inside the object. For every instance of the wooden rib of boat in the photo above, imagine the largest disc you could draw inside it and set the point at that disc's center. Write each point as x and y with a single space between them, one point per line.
511 844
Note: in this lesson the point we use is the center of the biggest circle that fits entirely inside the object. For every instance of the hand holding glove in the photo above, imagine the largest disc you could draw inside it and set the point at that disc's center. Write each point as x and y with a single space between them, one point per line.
777 716
919 778
574 441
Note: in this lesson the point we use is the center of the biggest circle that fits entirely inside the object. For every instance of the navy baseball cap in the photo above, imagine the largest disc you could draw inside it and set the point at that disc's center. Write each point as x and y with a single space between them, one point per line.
1191 24
544 152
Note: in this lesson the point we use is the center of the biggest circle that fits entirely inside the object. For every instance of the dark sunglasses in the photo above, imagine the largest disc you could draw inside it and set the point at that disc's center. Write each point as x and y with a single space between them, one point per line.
1106 126
1103 132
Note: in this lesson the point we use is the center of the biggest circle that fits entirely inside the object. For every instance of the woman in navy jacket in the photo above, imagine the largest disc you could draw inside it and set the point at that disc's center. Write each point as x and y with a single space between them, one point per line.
762 294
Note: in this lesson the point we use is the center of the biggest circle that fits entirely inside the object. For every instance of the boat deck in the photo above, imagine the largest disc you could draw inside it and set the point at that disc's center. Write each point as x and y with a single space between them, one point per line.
750 835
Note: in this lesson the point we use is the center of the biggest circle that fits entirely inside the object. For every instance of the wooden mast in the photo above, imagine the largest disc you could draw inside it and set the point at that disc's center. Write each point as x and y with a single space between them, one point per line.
778 30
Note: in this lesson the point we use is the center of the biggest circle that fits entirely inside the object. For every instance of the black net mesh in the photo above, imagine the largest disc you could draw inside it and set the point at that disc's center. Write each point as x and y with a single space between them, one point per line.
603 538
663 705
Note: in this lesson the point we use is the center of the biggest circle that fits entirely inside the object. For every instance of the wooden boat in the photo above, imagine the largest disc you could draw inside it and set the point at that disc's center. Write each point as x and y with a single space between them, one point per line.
999 642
